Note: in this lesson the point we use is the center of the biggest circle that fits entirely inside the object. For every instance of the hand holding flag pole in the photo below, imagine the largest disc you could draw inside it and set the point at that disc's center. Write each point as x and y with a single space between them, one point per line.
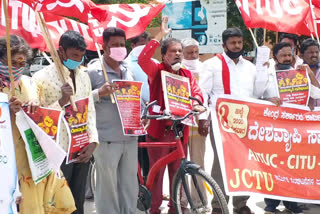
9 48
104 69
54 53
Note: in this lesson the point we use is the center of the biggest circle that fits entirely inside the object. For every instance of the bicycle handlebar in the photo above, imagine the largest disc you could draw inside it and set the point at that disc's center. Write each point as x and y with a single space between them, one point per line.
166 116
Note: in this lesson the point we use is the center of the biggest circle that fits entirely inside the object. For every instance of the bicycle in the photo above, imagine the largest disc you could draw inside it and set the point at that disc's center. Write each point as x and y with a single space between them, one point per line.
199 178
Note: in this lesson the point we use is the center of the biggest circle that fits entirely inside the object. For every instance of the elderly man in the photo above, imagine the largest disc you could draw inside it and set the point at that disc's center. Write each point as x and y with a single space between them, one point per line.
171 51
197 136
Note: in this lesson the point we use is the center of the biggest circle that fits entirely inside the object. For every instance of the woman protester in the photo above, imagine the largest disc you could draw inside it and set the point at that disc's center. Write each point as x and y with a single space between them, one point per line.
51 195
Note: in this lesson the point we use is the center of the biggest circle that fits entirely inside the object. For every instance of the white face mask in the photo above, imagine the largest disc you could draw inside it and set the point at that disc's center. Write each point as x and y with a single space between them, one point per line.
190 64
176 66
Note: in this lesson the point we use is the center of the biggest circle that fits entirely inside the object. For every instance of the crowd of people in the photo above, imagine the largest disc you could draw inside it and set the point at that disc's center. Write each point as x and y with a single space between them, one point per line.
116 155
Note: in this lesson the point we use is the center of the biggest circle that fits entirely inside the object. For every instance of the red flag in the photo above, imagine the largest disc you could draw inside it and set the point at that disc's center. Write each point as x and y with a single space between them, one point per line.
132 18
23 23
290 16
72 8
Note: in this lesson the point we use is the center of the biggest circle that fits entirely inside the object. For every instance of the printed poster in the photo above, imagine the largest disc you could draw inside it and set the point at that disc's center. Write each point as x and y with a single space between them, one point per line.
48 120
203 20
77 125
293 86
268 150
176 91
128 99
9 179
44 154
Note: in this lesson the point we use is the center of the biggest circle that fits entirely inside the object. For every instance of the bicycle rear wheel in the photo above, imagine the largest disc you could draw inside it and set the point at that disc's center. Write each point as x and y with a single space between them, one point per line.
204 189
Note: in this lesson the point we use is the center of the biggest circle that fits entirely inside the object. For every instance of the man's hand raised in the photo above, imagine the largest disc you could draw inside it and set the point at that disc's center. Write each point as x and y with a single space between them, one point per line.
164 30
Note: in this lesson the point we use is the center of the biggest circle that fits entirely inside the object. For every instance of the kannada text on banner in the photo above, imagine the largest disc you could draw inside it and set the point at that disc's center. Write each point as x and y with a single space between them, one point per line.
77 124
128 96
293 86
268 150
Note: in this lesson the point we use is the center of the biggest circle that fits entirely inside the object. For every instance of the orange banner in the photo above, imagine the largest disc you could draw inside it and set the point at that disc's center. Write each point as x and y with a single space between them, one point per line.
268 150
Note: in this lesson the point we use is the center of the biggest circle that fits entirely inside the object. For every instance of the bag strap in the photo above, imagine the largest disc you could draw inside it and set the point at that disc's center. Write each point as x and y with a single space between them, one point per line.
225 75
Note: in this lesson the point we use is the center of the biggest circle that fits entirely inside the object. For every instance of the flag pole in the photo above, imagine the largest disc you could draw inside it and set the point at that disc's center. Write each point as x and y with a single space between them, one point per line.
13 93
103 68
254 38
277 36
54 54
264 36
313 21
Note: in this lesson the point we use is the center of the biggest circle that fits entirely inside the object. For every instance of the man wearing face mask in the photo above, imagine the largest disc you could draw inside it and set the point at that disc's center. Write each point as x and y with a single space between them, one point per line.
292 39
159 130
283 57
197 137
53 93
228 73
117 156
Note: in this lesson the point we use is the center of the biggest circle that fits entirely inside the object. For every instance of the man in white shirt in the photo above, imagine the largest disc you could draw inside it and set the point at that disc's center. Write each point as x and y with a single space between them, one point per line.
283 57
228 73
292 39
197 139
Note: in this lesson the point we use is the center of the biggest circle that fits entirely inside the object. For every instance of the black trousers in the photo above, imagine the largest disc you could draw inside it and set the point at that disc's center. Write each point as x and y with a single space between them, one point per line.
143 157
76 176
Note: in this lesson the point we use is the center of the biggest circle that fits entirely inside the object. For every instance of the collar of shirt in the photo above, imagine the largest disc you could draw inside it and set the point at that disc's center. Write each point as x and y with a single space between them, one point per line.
229 60
123 68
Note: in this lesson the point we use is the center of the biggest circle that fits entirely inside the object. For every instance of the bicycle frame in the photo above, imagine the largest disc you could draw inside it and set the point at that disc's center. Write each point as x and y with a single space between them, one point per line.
162 162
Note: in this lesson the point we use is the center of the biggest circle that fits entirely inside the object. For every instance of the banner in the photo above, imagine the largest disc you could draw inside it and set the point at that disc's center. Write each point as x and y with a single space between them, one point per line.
23 23
128 99
176 92
290 16
132 18
200 19
77 125
268 150
293 86
9 179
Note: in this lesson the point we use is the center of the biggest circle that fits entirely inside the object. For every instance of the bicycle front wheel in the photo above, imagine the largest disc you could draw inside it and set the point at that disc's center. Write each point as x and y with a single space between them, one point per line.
195 192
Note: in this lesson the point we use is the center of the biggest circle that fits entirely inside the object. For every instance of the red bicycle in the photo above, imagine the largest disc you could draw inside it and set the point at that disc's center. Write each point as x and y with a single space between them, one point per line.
189 174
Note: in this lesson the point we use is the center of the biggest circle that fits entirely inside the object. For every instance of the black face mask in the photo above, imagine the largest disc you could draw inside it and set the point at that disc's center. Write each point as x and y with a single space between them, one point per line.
282 66
234 55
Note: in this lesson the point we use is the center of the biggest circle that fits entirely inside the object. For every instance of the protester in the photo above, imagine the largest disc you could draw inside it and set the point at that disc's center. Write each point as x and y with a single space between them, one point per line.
137 44
310 54
171 51
52 92
50 195
197 139
293 40
241 83
116 158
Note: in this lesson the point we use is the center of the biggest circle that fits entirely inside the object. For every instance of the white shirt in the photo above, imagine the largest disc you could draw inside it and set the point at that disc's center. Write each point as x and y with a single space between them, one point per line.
242 79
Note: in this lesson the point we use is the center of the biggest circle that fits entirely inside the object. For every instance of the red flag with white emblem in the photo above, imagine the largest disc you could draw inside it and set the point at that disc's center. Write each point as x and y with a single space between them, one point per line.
132 18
